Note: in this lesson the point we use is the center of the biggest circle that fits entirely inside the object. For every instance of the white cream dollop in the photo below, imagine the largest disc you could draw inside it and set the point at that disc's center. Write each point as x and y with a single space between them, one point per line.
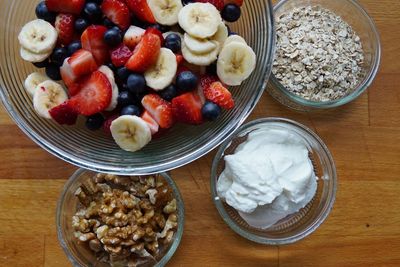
268 177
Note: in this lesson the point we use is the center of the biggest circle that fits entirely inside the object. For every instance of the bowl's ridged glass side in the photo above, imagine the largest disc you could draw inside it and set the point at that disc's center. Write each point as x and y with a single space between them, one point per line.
94 150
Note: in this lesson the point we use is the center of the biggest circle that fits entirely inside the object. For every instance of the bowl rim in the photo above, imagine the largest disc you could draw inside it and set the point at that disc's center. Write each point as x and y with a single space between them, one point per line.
178 235
360 89
253 237
161 167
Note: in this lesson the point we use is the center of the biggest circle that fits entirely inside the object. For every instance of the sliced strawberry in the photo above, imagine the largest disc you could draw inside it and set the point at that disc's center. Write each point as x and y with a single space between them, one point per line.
82 62
179 58
93 41
133 36
94 95
120 55
159 109
153 125
219 4
156 32
187 108
107 123
206 80
67 74
65 27
65 6
236 2
145 54
219 94
118 12
141 10
64 114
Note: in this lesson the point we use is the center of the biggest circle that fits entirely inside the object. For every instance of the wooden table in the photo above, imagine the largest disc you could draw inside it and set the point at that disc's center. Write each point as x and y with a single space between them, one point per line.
362 230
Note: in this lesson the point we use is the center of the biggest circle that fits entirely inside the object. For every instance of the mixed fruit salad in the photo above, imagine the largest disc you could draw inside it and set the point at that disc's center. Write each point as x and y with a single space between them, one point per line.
135 67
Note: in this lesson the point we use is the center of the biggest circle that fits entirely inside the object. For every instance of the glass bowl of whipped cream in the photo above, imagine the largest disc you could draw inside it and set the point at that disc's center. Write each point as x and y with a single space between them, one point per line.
274 181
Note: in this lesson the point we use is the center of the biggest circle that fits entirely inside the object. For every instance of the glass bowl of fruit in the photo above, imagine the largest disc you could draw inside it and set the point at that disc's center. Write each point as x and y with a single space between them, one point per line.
133 87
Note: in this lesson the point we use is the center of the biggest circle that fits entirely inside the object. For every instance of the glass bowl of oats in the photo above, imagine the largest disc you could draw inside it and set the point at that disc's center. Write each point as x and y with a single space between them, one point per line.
109 220
327 53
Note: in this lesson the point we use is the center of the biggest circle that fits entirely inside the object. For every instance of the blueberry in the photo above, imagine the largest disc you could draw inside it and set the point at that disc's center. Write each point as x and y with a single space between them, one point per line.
187 81
169 93
231 12
42 64
53 71
211 111
173 41
42 12
130 110
94 122
185 2
81 24
93 11
161 28
136 83
125 98
73 47
58 56
113 37
123 74
108 23
111 66
212 69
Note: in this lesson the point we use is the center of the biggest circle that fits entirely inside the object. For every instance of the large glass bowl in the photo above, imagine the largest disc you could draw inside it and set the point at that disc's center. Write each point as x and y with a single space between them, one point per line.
357 17
94 150
295 226
80 255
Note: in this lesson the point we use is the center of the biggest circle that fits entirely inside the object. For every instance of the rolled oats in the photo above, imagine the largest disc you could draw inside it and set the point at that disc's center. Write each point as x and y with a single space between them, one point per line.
318 55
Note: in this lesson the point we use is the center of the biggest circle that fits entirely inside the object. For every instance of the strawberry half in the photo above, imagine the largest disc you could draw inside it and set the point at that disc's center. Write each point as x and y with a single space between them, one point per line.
65 27
141 10
219 94
156 32
145 54
159 109
94 95
120 55
179 59
133 36
206 80
187 108
65 6
107 123
93 41
117 12
64 114
236 2
219 4
82 62
153 125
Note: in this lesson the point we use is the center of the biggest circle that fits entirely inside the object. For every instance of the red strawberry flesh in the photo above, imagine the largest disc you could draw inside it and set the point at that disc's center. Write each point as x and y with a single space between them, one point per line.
159 109
120 55
65 6
93 40
145 54
82 62
65 27
219 94
153 125
141 10
64 114
118 12
187 108
219 4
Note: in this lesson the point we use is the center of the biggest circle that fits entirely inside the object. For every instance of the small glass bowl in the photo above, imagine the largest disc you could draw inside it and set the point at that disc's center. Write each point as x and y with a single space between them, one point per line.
81 256
355 15
295 226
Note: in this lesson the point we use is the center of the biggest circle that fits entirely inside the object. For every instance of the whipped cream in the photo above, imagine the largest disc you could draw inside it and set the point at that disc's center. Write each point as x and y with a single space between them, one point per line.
268 177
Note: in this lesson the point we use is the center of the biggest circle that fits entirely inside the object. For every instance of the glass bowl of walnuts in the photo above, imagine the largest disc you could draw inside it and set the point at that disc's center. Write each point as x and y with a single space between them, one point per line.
110 220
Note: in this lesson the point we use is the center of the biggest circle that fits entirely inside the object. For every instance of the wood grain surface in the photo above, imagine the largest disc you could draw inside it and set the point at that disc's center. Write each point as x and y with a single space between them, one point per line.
362 230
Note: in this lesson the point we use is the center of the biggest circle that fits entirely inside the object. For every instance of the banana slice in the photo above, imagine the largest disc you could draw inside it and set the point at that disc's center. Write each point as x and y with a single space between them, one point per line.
48 95
235 38
131 133
221 35
165 11
199 46
33 57
115 90
33 80
235 63
200 20
38 36
161 74
199 59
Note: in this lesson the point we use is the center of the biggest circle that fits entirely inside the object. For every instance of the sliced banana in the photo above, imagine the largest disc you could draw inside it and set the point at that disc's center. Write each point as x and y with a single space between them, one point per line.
33 80
200 59
200 46
200 20
165 11
235 38
48 95
33 57
115 90
38 36
131 133
161 74
221 35
235 63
